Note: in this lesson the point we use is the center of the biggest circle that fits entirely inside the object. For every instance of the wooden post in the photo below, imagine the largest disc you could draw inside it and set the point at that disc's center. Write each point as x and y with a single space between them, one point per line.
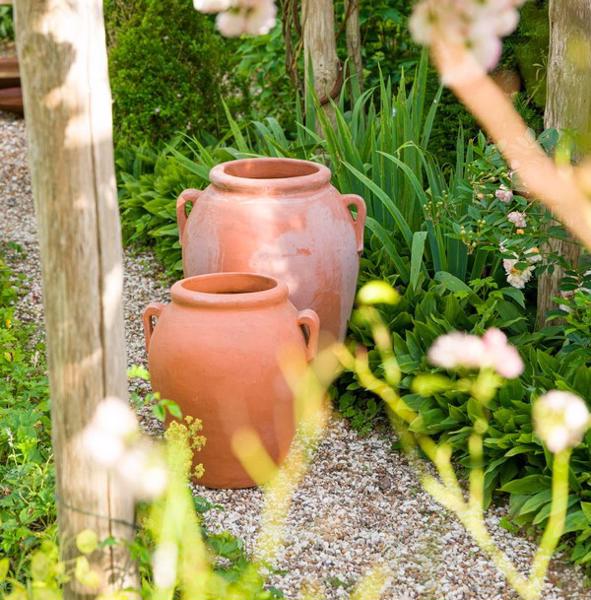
61 46
320 50
353 32
568 106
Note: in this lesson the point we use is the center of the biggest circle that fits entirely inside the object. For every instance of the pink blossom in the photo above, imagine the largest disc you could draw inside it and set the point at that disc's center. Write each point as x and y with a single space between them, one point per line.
504 194
457 349
461 350
502 356
517 218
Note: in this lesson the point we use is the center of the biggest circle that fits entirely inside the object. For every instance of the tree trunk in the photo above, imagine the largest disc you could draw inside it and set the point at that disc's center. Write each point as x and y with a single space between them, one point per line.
61 46
320 50
354 40
568 106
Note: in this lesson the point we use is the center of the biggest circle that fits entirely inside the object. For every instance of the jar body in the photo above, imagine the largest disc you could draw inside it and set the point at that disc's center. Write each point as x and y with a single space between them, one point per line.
308 238
223 365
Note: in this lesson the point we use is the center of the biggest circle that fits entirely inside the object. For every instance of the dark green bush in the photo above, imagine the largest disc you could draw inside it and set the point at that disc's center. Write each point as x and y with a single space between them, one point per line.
169 70
6 23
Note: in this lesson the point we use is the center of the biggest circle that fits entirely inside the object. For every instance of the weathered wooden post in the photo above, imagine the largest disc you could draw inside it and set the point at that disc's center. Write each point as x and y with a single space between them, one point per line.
61 47
568 106
353 34
320 50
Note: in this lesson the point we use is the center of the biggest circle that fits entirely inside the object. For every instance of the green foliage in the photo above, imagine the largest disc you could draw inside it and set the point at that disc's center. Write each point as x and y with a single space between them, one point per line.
27 510
528 48
575 310
262 65
379 149
150 182
6 23
169 70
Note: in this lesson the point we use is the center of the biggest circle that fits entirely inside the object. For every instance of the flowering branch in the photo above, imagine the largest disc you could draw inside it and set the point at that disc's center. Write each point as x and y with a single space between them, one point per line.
558 188
465 40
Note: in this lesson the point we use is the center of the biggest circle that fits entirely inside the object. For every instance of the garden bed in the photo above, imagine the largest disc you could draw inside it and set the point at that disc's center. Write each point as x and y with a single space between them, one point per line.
361 503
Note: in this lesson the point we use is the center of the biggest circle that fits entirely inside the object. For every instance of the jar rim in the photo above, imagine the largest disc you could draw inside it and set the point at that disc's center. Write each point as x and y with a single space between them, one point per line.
270 175
229 290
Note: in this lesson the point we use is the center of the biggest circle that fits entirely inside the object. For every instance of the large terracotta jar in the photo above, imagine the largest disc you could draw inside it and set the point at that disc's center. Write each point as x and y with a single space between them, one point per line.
280 217
216 351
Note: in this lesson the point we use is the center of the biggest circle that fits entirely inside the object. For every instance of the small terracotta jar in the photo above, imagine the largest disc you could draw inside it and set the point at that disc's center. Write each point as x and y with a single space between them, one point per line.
216 351
280 217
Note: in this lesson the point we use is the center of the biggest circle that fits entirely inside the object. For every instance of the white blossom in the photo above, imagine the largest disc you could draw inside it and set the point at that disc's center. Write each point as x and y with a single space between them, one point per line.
113 441
105 437
561 419
251 17
479 24
517 277
212 6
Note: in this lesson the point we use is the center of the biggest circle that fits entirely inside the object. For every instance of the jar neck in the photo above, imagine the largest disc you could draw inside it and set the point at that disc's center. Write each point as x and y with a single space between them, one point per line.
229 290
276 176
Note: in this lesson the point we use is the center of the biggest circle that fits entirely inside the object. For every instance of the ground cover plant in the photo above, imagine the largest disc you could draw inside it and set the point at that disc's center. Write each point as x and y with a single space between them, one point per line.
27 503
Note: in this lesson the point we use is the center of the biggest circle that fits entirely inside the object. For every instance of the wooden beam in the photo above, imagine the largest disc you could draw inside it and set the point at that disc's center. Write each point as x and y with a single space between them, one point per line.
63 63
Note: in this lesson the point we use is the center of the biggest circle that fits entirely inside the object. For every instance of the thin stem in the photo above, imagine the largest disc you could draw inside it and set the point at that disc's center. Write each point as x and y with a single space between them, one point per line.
555 526
476 501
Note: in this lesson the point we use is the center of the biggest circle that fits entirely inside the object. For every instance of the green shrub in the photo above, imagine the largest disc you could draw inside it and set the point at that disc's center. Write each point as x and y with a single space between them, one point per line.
169 70
6 23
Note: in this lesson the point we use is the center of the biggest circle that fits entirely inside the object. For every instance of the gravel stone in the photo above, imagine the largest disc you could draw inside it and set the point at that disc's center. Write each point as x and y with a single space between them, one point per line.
360 505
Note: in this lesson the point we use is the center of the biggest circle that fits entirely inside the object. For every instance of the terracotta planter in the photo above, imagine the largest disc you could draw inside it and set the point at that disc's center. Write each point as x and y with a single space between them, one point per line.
280 217
216 351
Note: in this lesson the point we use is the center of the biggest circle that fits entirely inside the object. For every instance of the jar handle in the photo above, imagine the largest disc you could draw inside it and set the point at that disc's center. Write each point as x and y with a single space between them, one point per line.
189 195
153 309
309 320
359 222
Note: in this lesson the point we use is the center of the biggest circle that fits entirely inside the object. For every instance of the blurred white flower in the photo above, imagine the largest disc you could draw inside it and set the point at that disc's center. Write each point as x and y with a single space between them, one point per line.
106 435
143 468
212 6
251 17
423 22
479 24
504 194
164 565
560 419
485 46
458 349
112 439
517 218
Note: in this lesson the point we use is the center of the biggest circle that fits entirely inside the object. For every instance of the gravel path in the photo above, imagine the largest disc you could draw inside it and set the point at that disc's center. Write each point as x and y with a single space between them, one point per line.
360 505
